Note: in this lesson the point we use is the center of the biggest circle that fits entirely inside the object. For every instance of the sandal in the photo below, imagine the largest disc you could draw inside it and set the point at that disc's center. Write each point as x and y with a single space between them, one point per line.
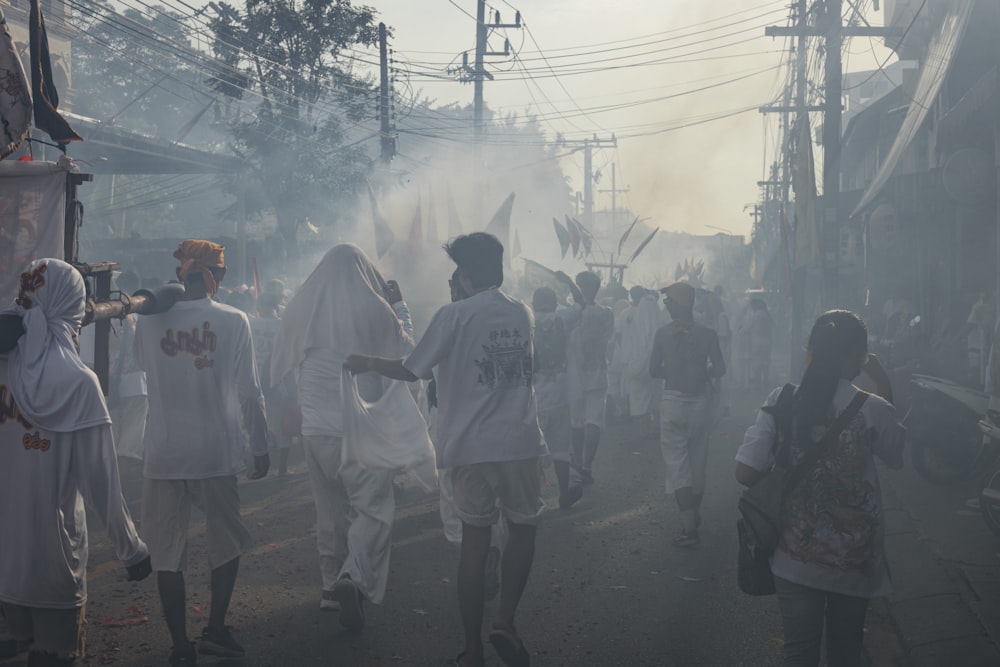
510 648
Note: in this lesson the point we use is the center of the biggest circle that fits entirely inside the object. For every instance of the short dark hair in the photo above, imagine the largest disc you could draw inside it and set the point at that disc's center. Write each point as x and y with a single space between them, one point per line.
480 257
589 283
545 300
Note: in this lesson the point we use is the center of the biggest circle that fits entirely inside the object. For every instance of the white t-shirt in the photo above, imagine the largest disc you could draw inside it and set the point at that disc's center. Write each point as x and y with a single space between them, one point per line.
200 367
834 523
551 382
482 349
588 358
44 480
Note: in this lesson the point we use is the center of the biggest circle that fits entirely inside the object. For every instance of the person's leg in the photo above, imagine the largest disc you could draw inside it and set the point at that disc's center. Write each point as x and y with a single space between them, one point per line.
172 596
471 578
322 456
369 535
802 611
679 483
515 568
698 441
166 511
592 438
223 581
845 629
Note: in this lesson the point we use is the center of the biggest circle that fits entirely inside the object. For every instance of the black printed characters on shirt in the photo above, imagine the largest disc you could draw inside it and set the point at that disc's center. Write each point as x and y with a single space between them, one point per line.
196 342
507 360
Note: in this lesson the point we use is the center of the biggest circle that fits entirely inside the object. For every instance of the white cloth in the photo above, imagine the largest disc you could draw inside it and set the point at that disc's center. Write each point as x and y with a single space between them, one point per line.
550 377
588 358
482 348
199 361
387 434
51 385
46 481
638 330
341 307
833 539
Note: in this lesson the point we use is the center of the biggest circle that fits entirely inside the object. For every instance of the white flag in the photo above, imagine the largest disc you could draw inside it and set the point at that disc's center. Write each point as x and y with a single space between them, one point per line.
15 95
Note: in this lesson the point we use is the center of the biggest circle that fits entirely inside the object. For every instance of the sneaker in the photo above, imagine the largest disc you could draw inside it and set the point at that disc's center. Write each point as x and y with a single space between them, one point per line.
327 602
585 476
220 643
570 498
491 585
184 655
352 613
687 540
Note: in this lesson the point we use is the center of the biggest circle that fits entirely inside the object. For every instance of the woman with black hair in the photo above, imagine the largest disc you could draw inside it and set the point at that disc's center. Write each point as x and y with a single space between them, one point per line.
830 559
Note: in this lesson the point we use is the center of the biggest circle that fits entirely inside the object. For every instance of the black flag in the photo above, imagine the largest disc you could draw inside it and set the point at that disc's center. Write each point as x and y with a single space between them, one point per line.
44 96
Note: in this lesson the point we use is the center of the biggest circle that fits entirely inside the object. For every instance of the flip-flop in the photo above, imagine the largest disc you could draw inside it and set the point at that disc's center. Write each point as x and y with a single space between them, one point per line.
510 648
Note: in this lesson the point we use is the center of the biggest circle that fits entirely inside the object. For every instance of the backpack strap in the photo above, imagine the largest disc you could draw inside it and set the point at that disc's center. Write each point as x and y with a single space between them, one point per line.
781 411
826 443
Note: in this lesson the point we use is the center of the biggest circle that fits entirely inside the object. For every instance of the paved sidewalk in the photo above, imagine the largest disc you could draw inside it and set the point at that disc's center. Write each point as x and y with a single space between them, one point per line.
939 607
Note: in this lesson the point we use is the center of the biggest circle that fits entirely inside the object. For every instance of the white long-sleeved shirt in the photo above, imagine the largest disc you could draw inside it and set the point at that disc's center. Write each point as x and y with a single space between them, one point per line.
44 481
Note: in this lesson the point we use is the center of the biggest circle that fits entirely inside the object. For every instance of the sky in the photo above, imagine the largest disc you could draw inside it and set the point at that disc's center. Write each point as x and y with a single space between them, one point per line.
698 178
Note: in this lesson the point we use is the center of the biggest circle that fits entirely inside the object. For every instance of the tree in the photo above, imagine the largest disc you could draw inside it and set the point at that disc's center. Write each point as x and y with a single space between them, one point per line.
285 60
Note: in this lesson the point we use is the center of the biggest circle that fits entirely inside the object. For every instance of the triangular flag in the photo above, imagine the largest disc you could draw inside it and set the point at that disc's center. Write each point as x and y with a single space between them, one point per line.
432 225
516 249
454 222
538 275
642 246
15 95
574 236
562 235
586 238
628 231
190 125
416 228
500 223
45 98
384 238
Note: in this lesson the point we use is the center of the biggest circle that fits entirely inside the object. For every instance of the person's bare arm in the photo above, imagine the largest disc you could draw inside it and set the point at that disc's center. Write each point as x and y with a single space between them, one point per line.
390 368
746 475
656 358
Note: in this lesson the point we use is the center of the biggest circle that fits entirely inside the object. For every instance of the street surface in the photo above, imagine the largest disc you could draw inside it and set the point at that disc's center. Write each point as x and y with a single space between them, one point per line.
607 588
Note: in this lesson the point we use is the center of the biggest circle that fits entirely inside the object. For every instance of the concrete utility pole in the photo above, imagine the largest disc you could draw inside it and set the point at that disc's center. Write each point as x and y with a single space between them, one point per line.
614 195
387 138
587 145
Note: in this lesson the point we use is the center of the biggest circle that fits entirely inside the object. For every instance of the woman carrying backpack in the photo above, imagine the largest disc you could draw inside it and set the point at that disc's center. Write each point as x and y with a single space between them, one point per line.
830 559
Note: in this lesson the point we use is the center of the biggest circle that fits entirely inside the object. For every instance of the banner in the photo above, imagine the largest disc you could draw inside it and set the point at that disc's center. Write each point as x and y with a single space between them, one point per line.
15 95
43 88
32 218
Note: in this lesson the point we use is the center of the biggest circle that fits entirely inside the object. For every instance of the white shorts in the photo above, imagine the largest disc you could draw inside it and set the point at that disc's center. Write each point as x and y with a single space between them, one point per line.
516 485
166 512
684 430
591 410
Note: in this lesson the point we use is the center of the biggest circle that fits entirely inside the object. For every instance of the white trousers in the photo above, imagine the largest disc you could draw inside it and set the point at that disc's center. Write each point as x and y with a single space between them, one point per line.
355 509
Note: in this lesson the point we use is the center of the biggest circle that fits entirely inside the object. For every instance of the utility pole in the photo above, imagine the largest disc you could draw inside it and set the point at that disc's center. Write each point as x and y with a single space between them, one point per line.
587 146
832 30
614 195
387 139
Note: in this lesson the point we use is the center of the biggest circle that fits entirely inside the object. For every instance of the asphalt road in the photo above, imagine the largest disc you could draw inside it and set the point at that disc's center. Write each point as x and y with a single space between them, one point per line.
607 587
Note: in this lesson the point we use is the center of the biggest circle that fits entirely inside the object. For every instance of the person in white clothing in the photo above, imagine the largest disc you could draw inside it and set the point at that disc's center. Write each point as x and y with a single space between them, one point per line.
58 461
480 349
344 306
639 326
203 390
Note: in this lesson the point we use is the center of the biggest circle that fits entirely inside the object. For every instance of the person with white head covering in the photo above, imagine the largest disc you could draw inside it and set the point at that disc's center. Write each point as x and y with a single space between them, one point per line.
203 392
639 326
58 459
344 306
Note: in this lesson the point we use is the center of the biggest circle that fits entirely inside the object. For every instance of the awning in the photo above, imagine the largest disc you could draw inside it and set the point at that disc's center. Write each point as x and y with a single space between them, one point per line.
943 47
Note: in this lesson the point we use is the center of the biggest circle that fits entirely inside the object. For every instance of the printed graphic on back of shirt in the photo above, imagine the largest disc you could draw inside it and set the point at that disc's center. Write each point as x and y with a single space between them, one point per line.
196 342
506 361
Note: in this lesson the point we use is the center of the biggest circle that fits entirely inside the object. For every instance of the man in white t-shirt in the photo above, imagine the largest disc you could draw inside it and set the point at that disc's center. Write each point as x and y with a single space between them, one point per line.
588 373
58 460
481 349
203 386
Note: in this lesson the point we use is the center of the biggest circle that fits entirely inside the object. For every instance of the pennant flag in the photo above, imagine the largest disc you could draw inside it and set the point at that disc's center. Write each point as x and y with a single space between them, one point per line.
15 96
586 238
574 236
642 246
384 238
43 90
454 222
432 225
538 275
804 186
190 125
516 249
500 223
417 227
628 231
563 237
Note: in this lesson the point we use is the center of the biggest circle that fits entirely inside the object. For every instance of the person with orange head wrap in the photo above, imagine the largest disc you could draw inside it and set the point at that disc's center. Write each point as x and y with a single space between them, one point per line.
201 258
687 357
203 392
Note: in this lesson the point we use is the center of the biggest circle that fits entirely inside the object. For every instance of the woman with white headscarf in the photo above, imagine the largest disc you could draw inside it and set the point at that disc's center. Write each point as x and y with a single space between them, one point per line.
58 452
343 307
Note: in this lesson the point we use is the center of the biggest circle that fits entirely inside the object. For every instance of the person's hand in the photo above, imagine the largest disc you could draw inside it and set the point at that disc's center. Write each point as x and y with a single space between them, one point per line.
357 363
140 570
261 464
392 292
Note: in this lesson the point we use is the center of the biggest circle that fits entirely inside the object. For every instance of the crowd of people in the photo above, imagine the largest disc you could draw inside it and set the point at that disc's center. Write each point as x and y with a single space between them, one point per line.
502 387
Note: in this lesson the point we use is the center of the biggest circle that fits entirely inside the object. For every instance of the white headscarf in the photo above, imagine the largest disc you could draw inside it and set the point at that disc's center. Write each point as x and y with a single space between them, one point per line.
638 334
52 387
339 307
